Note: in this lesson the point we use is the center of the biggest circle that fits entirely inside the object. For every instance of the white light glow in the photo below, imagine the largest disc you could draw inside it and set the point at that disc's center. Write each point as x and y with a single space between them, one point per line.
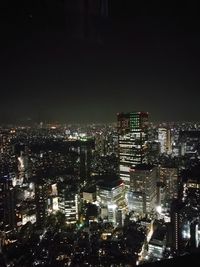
159 209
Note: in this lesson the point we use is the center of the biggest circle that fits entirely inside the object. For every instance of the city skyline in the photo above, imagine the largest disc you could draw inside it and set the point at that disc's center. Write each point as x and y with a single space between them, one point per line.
99 133
143 59
98 195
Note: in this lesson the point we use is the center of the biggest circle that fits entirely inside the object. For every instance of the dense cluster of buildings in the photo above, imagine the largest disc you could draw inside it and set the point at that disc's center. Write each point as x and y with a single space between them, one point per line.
105 183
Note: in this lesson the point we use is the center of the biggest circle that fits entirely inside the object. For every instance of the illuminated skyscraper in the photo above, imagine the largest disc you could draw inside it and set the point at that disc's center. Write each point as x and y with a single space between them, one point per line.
164 138
143 188
111 198
169 177
185 212
41 199
132 137
84 150
68 202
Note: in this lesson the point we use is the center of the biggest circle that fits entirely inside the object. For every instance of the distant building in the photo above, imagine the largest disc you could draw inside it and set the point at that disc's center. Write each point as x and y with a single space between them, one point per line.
189 143
132 137
190 180
41 199
7 204
100 143
106 143
164 138
53 206
68 203
23 165
153 151
84 149
26 214
169 177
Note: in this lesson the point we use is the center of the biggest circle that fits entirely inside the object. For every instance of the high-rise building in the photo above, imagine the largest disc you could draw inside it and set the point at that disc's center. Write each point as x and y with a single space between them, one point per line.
84 150
41 198
68 203
143 183
189 143
175 222
164 138
111 198
169 177
132 137
7 204
111 192
53 205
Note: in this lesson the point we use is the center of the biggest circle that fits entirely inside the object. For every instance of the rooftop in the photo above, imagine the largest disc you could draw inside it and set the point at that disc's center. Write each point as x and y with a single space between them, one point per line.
158 236
89 189
143 167
109 182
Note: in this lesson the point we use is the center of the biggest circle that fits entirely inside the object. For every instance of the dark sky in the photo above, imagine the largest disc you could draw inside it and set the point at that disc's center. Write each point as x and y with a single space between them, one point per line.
76 63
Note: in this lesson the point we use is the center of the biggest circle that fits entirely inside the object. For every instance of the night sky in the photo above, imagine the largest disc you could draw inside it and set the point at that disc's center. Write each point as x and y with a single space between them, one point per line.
61 62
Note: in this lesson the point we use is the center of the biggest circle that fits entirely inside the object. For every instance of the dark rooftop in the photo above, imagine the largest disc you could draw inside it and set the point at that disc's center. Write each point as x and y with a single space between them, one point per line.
143 167
108 182
190 134
89 189
191 174
159 234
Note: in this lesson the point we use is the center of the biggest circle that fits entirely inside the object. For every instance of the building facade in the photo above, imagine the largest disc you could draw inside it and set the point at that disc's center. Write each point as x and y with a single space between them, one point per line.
143 185
111 198
7 204
132 138
164 138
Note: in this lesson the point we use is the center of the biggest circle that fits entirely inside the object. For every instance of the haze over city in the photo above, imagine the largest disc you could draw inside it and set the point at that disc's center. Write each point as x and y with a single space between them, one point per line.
60 62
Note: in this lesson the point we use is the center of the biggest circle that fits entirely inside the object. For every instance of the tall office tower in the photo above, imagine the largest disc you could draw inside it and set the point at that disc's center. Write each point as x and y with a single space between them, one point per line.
190 190
176 208
132 137
23 166
100 143
41 199
84 149
111 197
169 177
164 138
5 142
7 204
68 202
143 186
85 161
